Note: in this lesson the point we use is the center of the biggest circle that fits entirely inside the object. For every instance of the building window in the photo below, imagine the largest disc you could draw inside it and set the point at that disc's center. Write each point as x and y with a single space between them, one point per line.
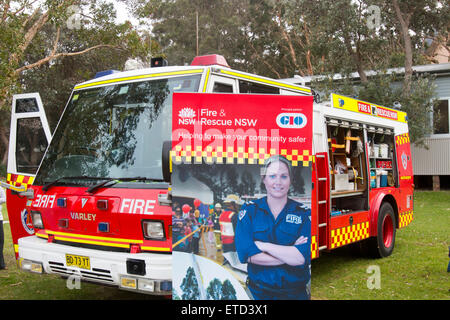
441 117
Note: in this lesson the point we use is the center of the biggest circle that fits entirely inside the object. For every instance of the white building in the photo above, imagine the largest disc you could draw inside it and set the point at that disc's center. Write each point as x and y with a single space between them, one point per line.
432 165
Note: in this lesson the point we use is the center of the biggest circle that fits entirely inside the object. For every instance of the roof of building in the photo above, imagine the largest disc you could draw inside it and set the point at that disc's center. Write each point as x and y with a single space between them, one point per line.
437 69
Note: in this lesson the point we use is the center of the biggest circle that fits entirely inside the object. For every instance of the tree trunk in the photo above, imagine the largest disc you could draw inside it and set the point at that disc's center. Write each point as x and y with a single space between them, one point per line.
5 142
356 56
404 20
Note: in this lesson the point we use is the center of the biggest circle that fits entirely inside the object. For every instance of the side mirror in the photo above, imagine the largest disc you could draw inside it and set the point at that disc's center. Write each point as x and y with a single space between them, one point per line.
166 160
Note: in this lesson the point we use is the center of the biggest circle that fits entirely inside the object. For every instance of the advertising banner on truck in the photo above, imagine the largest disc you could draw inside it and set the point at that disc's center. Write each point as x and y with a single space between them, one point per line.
241 187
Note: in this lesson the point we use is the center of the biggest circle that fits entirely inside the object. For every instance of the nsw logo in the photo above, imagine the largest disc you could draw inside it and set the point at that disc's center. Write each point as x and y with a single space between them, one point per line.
27 224
291 120
186 113
404 161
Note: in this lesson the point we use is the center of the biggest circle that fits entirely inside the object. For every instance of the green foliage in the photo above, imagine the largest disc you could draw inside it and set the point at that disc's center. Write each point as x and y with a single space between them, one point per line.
61 51
228 291
419 106
189 286
279 38
387 90
214 289
276 38
218 290
416 270
42 35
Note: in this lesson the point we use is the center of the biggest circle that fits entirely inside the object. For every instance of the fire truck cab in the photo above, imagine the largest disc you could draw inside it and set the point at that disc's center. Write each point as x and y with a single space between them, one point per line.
98 207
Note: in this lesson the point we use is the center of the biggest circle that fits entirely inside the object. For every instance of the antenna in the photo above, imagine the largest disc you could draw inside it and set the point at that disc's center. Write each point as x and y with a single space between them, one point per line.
196 27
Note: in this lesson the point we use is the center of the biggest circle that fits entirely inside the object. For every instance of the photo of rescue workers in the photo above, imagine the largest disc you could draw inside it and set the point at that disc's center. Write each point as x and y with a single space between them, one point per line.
241 231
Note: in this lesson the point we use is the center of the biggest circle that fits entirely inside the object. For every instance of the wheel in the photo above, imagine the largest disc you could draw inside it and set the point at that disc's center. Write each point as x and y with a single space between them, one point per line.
383 244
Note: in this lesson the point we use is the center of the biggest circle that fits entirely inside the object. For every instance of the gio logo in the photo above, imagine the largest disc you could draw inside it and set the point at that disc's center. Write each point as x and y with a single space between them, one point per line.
291 120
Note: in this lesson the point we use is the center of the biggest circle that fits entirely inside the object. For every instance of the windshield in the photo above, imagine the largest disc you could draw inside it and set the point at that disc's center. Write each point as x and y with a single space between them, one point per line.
114 131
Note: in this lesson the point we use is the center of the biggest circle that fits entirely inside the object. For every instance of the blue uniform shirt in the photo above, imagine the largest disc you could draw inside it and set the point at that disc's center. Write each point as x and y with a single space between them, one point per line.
256 223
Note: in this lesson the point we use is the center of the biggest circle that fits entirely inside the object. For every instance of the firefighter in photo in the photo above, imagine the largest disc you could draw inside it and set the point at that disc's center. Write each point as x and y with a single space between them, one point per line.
272 237
216 215
228 221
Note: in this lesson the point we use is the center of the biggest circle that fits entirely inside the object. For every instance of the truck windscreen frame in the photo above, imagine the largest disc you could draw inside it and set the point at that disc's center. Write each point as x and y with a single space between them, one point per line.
114 131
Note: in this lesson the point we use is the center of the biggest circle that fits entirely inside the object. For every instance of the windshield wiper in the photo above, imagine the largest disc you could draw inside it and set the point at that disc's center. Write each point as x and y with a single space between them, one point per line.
113 181
51 184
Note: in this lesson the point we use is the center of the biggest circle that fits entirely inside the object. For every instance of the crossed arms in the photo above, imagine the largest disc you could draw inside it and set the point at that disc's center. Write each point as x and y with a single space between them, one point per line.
274 254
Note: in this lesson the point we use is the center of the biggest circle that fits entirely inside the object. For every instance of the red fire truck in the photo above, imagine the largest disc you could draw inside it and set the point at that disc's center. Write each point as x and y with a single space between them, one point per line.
93 199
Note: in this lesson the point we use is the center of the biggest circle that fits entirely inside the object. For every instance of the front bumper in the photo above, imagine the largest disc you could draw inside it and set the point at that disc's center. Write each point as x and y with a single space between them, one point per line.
106 267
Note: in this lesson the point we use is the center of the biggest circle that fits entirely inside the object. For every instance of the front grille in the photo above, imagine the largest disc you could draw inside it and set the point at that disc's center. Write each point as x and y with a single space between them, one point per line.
98 275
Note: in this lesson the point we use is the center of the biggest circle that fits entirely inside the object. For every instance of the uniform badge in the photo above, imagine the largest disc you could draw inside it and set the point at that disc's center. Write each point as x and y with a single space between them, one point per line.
292 218
242 214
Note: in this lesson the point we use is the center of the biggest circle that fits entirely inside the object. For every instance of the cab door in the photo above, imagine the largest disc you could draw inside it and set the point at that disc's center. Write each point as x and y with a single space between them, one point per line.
28 139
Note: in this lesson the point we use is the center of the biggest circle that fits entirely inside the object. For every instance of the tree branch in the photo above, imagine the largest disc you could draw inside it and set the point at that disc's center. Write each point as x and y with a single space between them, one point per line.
55 45
5 11
23 7
38 24
285 36
355 56
31 33
30 17
407 45
308 51
268 65
60 55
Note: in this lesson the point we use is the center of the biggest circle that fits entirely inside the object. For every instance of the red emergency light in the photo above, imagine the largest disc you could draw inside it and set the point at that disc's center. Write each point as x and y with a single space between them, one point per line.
210 60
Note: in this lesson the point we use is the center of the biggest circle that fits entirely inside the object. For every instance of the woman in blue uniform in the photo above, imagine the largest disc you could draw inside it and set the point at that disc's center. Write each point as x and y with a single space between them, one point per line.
272 237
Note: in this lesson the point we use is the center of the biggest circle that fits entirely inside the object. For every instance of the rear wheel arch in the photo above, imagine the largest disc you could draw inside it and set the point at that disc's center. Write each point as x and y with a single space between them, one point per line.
382 245
391 200
376 206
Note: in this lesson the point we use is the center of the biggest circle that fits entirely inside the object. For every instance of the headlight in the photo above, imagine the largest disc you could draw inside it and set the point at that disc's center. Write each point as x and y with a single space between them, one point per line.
31 266
37 220
153 230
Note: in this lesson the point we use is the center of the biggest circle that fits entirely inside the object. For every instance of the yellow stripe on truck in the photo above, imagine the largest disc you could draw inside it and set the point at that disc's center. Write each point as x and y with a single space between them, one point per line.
57 233
143 76
266 81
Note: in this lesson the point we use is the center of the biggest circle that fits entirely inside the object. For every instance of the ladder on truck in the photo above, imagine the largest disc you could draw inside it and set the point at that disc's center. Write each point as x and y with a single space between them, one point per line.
323 199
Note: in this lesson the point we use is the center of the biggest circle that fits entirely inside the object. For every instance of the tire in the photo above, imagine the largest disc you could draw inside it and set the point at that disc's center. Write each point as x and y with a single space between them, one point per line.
383 244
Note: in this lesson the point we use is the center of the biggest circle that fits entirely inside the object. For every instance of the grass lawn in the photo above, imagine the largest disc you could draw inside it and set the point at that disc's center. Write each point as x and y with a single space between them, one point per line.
17 284
416 270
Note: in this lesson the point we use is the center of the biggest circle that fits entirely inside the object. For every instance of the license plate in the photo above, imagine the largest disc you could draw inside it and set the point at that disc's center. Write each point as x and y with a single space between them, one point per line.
78 261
